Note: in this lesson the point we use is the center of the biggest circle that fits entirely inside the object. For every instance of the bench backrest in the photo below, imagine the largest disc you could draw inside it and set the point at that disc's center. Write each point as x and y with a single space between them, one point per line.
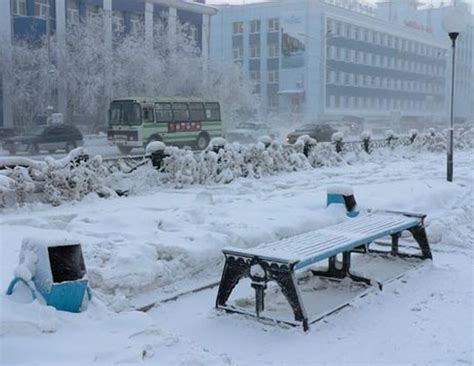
308 248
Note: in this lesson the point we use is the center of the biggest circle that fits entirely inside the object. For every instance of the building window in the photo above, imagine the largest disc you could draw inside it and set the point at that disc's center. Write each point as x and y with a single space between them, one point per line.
238 28
273 101
255 26
255 76
273 77
255 50
273 50
343 101
328 26
376 37
273 25
41 8
93 10
348 55
137 24
19 7
346 79
238 53
348 30
118 22
73 12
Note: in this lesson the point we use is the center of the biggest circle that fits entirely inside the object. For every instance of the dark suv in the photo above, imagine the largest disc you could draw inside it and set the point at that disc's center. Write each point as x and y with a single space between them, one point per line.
320 132
50 138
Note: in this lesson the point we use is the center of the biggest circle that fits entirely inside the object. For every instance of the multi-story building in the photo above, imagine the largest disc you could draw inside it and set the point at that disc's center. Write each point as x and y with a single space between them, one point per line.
329 59
28 20
429 19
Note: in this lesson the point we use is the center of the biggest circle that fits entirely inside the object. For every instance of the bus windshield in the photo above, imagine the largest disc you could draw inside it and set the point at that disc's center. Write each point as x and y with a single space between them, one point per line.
125 113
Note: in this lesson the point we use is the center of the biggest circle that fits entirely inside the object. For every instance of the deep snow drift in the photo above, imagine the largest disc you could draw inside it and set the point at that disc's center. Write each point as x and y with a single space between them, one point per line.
148 247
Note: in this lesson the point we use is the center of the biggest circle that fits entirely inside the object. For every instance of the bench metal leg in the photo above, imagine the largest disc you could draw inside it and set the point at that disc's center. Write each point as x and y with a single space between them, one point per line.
344 271
285 278
234 270
419 234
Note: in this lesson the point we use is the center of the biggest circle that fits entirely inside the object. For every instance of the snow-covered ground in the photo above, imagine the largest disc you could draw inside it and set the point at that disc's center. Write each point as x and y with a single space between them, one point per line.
151 246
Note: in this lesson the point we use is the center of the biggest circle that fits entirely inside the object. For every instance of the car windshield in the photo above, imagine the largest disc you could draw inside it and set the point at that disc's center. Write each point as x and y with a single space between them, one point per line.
125 113
38 130
306 128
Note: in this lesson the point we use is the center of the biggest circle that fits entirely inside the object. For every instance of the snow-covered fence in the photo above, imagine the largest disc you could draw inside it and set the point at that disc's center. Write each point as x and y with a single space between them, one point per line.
77 175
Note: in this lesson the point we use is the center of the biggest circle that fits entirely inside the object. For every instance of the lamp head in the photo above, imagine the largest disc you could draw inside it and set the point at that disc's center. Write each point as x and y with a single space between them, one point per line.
455 22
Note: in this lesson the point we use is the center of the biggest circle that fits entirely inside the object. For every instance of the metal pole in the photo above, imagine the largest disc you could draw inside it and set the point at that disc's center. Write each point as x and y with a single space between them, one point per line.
453 37
48 71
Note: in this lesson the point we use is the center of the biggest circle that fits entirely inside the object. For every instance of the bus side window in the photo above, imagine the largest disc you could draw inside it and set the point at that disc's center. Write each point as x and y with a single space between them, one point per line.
213 112
148 116
163 112
180 112
196 111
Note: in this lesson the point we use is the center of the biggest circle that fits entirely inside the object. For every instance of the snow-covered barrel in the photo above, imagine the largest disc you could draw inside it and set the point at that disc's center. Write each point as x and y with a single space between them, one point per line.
343 195
55 269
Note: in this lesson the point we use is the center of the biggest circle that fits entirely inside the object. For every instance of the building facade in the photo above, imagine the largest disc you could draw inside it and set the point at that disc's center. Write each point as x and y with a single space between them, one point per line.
27 20
429 19
330 59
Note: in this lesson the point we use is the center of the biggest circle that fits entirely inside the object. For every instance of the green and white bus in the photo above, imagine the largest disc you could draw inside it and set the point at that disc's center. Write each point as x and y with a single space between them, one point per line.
135 122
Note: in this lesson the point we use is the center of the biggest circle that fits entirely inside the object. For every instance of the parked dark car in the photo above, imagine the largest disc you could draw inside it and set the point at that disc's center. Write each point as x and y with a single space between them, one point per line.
6 133
320 132
50 138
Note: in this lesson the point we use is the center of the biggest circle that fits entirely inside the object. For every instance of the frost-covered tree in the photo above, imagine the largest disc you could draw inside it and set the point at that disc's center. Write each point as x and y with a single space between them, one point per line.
170 67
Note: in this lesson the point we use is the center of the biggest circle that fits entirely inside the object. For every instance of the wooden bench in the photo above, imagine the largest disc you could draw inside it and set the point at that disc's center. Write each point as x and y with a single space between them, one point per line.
278 261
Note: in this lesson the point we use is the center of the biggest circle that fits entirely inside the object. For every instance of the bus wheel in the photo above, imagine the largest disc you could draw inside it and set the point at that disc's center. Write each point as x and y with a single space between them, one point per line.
202 141
125 150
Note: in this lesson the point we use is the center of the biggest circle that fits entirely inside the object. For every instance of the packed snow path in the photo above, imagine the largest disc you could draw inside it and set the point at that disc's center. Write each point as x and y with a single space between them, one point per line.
139 249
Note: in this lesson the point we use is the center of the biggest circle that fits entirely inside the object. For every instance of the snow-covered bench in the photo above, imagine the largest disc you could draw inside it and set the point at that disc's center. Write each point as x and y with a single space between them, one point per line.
278 261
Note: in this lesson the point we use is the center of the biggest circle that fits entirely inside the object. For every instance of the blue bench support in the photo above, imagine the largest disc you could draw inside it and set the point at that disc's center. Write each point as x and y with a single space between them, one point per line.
277 262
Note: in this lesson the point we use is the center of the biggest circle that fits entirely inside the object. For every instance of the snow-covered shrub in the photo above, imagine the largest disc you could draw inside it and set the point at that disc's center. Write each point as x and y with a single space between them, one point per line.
217 144
24 185
324 155
366 138
75 181
7 191
337 139
279 156
260 161
464 139
304 144
430 141
412 135
391 138
266 140
179 166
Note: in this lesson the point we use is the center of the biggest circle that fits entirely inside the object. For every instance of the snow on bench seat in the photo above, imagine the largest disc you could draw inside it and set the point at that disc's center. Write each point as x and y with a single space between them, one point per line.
308 248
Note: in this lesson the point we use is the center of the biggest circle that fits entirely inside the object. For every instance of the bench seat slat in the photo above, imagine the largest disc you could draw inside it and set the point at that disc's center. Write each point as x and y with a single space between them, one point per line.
309 248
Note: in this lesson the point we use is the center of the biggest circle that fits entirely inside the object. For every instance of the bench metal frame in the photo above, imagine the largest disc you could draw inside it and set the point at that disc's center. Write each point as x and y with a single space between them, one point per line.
240 264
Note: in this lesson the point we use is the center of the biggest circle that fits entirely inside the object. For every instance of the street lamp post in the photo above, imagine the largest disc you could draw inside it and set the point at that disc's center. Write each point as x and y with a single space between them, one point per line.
453 23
